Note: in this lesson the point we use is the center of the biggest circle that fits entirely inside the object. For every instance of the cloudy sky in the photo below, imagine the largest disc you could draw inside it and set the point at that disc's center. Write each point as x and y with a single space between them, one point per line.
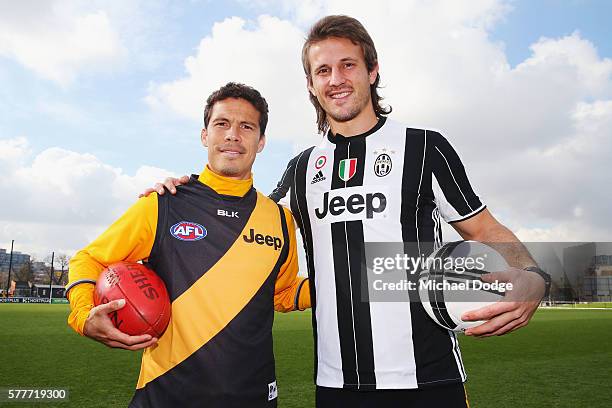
99 99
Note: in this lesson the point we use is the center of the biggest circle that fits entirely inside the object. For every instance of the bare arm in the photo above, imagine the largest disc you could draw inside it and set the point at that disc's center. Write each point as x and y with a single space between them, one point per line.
520 304
483 227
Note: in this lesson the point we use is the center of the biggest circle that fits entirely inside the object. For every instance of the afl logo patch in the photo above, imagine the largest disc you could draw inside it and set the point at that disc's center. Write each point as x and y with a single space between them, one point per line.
382 165
188 231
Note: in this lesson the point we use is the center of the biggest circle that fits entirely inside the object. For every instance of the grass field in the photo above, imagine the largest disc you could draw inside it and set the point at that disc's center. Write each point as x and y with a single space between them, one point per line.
562 359
598 305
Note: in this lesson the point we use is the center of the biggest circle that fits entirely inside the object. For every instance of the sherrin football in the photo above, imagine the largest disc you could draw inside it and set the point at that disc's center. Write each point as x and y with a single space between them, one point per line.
147 305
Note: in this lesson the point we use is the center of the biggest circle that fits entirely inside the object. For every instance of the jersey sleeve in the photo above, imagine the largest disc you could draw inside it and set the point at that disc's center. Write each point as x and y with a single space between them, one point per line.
282 192
291 292
130 238
453 192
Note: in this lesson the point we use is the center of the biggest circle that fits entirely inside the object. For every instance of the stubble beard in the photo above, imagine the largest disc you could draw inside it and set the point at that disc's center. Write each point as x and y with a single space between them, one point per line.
226 168
351 114
229 170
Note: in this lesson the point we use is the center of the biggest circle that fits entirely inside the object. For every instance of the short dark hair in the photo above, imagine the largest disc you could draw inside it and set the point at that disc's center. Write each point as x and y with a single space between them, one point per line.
341 26
237 90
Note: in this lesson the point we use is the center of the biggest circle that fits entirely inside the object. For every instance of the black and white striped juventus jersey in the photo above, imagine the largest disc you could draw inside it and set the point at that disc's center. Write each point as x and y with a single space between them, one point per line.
391 184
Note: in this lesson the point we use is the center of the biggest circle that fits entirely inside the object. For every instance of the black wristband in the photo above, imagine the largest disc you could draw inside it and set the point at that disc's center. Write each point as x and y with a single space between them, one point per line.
544 275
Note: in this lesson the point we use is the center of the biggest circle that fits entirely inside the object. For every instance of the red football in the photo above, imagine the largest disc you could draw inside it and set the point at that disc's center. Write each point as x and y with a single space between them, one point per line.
147 305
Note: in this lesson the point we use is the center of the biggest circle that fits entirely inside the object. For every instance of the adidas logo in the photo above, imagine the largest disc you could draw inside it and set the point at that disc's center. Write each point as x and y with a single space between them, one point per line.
318 177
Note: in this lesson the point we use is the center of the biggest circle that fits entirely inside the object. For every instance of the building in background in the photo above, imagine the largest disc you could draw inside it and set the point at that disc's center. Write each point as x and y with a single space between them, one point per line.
577 260
597 282
19 260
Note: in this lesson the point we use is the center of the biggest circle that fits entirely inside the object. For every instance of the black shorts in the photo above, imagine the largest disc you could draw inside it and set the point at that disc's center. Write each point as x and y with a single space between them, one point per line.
447 396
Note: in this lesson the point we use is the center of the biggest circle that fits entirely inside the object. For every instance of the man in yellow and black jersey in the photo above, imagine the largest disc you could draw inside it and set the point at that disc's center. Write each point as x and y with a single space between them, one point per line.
224 282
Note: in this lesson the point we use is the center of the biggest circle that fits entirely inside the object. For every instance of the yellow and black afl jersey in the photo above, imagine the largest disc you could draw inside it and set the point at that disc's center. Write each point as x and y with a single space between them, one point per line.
228 262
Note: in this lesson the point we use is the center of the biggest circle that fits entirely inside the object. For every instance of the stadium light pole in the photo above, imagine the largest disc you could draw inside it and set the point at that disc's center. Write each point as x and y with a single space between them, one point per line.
8 283
51 277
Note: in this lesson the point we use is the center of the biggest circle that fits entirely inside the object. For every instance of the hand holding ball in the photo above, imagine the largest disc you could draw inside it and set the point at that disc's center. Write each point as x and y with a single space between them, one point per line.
451 286
147 305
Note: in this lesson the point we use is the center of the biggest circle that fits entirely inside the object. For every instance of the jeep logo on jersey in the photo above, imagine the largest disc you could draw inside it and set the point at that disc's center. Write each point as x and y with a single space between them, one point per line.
347 169
188 231
351 204
382 165
261 239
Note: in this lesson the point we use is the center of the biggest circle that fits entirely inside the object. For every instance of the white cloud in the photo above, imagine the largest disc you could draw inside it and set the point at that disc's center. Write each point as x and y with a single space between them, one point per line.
564 185
60 199
264 54
535 137
572 51
482 13
58 39
566 232
11 150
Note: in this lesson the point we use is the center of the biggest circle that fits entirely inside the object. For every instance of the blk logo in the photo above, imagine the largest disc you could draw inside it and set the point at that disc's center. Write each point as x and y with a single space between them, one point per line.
229 214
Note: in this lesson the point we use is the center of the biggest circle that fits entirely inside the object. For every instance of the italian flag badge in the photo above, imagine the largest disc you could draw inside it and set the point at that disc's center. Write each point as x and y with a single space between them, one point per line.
347 169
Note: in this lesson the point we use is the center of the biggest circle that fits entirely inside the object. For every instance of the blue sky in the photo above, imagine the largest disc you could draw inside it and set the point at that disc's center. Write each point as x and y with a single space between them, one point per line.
530 20
88 122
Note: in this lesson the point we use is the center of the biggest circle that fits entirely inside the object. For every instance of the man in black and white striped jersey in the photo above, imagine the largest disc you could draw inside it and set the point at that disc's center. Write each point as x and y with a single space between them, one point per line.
371 179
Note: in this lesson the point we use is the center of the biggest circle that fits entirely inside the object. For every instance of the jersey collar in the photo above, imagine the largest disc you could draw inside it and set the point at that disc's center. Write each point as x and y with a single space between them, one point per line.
339 139
224 185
